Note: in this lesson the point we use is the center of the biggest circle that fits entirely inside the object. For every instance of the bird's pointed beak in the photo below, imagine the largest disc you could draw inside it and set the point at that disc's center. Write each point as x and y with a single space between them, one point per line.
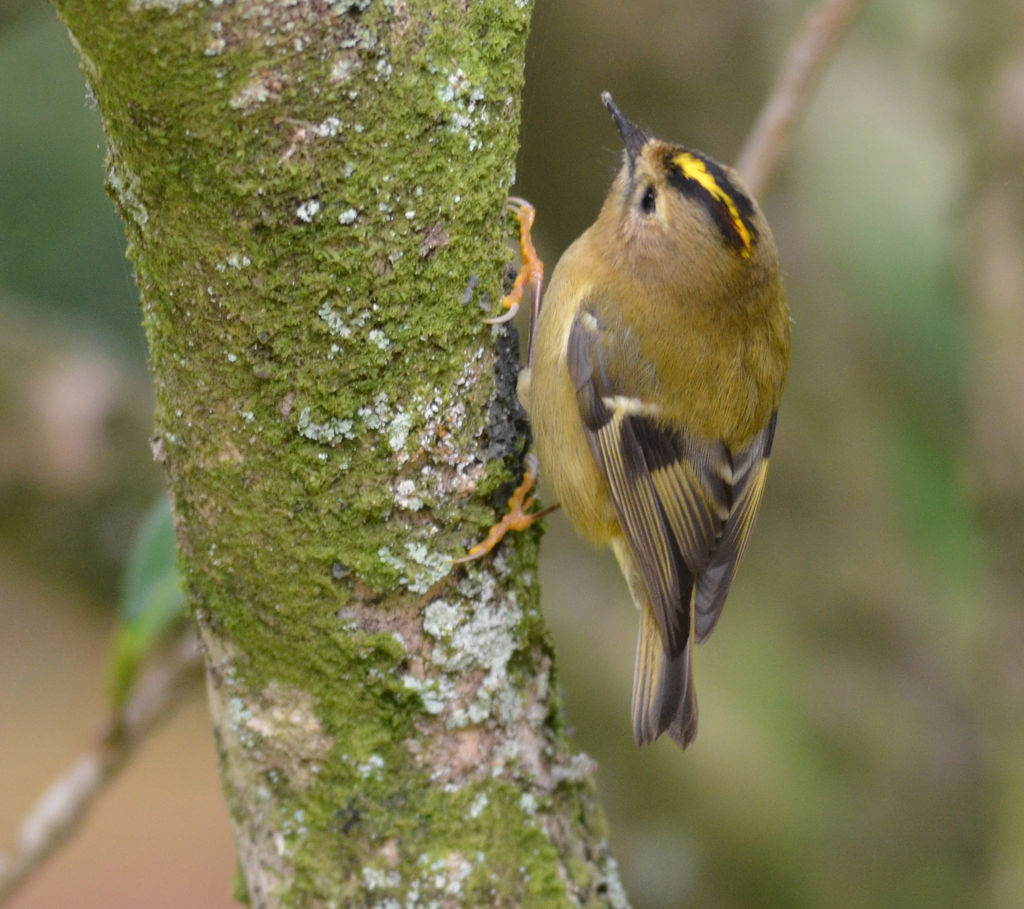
632 137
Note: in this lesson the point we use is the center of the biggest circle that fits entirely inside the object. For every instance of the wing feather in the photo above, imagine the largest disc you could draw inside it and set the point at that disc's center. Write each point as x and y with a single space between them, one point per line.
685 505
621 458
750 471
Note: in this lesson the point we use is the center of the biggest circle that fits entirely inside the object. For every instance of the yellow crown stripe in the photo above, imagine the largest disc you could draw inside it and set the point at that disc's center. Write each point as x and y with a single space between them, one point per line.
694 169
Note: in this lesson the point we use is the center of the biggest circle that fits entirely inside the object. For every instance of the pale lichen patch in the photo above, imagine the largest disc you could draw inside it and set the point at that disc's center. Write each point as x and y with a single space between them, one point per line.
528 804
375 415
478 805
446 874
336 324
465 106
421 569
344 66
432 692
307 210
126 188
372 767
378 337
406 496
171 6
216 43
327 432
398 430
265 86
474 637
329 127
289 737
381 878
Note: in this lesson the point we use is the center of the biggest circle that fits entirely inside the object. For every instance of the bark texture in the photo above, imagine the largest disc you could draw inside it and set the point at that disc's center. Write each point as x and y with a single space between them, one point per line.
313 196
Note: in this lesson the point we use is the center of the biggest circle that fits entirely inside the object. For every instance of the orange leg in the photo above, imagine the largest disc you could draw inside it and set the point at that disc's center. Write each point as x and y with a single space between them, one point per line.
531 275
518 516
531 272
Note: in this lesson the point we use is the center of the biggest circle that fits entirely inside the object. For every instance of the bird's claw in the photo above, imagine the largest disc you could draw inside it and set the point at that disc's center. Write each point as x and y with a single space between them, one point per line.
531 272
518 516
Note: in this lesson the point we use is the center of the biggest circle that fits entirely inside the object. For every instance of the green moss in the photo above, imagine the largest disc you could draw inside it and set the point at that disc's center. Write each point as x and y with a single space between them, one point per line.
458 845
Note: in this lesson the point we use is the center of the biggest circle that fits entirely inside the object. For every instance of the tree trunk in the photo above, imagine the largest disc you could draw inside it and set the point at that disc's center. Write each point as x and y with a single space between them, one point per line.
313 196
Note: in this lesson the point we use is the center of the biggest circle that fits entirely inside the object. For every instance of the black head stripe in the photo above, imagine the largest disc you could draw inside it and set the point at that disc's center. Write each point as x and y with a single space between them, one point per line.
705 181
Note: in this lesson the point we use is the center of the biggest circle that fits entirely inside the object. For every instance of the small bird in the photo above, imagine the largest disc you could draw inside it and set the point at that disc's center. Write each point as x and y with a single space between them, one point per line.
657 360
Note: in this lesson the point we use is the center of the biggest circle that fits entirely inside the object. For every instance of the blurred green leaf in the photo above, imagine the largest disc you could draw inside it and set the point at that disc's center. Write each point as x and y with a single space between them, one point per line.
151 600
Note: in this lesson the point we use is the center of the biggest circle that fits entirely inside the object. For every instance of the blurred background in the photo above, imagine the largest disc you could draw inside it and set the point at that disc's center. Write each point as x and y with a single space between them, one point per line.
862 700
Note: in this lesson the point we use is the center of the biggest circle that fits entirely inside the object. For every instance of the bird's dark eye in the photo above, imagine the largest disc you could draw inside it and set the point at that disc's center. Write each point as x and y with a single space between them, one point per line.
647 203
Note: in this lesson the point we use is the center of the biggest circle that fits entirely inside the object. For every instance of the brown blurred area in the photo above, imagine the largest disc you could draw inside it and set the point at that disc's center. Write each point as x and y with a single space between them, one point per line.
75 478
862 706
159 837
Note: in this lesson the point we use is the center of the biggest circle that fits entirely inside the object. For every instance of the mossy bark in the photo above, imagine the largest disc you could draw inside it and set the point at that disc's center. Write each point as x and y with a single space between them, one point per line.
313 196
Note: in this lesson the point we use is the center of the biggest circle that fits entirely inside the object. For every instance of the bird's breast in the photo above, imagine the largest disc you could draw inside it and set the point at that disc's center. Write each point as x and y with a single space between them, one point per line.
548 394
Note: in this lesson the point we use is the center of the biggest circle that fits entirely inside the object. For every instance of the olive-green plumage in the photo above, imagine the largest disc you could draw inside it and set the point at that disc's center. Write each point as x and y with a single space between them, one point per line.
658 360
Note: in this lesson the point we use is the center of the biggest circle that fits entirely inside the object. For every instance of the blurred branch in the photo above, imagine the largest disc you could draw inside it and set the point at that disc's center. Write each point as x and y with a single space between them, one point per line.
64 805
812 48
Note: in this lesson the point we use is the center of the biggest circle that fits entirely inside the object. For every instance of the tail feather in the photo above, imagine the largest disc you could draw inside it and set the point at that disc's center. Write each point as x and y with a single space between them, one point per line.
664 698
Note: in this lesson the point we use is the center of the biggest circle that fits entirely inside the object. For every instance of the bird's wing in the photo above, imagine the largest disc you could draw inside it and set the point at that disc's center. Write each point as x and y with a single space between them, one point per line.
685 505
749 469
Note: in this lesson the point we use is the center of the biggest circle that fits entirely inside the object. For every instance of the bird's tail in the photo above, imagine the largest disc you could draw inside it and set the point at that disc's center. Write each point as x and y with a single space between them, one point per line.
664 698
